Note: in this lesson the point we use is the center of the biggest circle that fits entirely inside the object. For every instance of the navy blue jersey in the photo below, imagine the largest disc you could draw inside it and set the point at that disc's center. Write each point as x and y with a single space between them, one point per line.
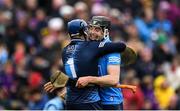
80 58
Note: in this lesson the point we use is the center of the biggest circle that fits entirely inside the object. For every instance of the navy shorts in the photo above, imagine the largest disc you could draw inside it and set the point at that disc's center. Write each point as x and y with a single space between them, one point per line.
84 106
113 107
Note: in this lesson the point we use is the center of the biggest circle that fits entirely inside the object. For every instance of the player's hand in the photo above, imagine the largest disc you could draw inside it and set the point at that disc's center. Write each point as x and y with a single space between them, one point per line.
49 87
82 82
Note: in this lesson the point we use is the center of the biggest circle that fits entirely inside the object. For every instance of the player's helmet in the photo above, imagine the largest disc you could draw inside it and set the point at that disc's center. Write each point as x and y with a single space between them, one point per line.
77 28
101 21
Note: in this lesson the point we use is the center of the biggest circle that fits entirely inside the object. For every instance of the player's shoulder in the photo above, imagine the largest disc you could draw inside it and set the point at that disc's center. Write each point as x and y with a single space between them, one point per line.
113 56
65 48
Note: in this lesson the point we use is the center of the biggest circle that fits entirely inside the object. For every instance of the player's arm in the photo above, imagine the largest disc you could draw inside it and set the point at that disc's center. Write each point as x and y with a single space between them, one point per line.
51 86
113 62
112 79
85 81
103 81
109 47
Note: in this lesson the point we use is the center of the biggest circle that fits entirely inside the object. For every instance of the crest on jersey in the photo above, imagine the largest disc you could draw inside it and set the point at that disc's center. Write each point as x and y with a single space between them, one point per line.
71 48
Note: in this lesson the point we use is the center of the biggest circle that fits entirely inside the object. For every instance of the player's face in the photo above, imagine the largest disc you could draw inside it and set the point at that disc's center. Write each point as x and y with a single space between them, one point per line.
95 33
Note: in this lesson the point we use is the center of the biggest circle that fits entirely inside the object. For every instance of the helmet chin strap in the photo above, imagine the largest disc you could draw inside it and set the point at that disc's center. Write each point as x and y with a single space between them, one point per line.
106 33
86 36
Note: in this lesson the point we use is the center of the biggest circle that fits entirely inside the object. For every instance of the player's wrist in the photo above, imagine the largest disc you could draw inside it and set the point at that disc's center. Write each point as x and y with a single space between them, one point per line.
92 79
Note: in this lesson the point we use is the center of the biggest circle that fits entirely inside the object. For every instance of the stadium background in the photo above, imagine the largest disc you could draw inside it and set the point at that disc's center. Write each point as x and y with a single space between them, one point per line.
33 33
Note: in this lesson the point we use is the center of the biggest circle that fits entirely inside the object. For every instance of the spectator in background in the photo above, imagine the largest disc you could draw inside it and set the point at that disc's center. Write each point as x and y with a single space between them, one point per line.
178 97
7 77
164 27
161 51
145 65
56 103
163 24
172 10
23 28
3 98
35 80
10 38
3 55
31 5
172 72
36 24
20 59
55 5
51 44
163 92
133 37
100 9
177 34
81 10
130 6
37 99
148 90
24 95
67 12
132 101
145 26
56 33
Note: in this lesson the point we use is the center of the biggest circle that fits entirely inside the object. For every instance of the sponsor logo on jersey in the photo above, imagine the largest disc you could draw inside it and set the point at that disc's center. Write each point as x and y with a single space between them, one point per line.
114 59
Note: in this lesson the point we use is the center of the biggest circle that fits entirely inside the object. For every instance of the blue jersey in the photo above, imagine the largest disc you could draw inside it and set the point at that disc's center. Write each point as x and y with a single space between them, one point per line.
54 104
80 58
109 95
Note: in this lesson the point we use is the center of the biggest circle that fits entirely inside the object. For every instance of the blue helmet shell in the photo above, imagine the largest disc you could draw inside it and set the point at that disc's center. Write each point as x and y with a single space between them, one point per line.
77 27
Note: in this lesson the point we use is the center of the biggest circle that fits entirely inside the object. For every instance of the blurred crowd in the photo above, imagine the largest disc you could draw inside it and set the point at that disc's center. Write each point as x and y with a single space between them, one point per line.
33 34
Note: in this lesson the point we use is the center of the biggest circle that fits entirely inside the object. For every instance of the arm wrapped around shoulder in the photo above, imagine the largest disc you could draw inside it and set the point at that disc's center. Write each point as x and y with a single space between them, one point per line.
110 47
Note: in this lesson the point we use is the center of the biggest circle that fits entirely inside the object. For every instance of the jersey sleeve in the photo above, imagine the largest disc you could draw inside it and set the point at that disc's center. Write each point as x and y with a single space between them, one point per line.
109 47
113 59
